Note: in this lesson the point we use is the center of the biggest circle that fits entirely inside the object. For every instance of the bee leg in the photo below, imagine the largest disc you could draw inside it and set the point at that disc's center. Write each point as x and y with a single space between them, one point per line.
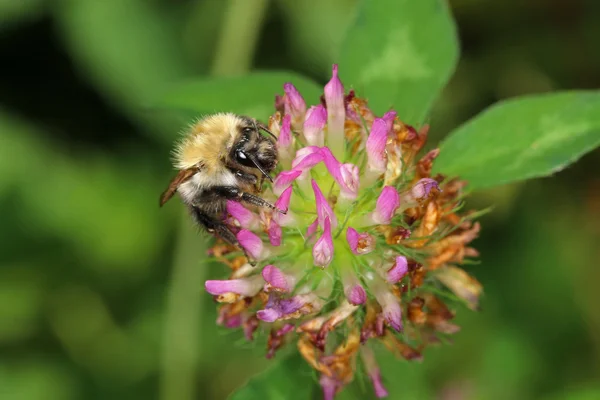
234 193
259 201
249 178
218 228
260 184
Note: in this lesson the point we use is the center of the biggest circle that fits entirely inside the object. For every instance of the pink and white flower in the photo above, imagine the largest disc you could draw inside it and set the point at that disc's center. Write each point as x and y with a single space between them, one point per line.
357 230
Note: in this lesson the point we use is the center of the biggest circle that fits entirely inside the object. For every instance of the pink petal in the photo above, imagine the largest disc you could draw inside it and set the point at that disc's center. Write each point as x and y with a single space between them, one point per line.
316 118
336 113
245 217
332 164
247 287
285 134
334 92
283 203
423 187
373 372
393 315
352 115
398 270
389 118
352 239
356 295
347 176
274 340
350 181
233 322
360 243
294 104
284 180
274 233
390 305
268 315
323 208
323 249
376 142
312 228
279 308
250 326
275 278
251 243
306 158
330 386
386 205
287 328
305 151
380 390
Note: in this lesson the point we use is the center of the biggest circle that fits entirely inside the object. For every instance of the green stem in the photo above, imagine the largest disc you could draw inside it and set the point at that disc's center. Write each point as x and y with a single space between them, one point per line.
183 314
241 27
182 317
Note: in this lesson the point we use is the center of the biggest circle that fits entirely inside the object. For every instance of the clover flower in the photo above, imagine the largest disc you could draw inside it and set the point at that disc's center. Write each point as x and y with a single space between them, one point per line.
368 249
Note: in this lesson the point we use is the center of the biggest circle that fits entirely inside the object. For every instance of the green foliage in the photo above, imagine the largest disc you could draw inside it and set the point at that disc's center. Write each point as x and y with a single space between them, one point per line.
522 138
14 12
251 94
318 46
289 378
126 48
399 54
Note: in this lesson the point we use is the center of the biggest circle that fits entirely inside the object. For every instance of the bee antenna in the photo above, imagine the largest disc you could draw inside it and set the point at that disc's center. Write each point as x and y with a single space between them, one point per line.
257 165
263 127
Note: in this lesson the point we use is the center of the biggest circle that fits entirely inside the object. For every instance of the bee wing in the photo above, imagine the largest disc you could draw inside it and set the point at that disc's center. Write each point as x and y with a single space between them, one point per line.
181 177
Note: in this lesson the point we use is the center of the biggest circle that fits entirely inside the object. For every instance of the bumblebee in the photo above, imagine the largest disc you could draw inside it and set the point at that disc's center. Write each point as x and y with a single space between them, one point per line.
223 157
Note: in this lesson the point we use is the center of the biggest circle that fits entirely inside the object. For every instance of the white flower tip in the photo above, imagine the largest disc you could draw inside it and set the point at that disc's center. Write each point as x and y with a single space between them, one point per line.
323 248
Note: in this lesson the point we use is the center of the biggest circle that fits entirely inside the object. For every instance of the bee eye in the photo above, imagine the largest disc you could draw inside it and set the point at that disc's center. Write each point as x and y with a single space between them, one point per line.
247 131
241 156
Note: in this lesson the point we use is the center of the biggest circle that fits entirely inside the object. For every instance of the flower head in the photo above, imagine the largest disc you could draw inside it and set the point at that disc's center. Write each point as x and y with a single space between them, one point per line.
364 215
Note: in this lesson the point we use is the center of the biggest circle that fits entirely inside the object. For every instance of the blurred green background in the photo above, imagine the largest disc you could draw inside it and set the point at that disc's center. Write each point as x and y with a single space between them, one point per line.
101 293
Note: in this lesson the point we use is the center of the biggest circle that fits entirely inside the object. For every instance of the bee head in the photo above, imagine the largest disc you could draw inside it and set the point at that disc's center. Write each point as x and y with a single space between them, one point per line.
253 149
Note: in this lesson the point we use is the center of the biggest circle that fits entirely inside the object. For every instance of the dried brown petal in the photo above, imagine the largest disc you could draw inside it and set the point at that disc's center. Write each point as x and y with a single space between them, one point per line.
425 164
428 225
400 348
462 284
416 315
417 276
